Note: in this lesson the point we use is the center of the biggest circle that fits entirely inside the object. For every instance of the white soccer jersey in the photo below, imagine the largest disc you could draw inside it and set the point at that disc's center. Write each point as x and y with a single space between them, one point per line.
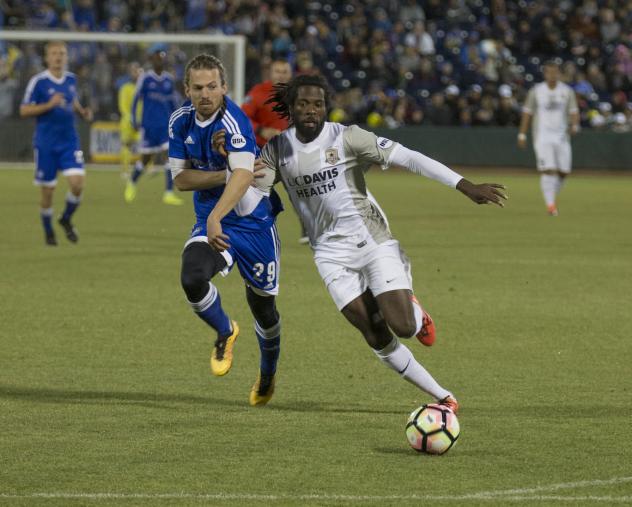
550 109
325 181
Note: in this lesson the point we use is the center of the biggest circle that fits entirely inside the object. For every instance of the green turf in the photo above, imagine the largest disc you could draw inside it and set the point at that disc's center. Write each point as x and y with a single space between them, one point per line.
105 386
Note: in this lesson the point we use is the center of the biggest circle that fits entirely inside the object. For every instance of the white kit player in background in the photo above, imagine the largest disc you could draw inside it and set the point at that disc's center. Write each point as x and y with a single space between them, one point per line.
322 166
551 104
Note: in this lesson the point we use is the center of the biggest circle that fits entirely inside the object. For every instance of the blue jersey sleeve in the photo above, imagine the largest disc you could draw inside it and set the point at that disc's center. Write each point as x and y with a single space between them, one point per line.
239 133
177 136
34 92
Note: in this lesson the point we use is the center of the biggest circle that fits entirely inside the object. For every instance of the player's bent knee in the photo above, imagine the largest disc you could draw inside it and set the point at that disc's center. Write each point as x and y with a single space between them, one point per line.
199 264
194 283
403 329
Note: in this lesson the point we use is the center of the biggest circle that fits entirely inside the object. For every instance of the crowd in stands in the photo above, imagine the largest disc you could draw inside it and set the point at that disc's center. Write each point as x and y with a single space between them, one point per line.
391 62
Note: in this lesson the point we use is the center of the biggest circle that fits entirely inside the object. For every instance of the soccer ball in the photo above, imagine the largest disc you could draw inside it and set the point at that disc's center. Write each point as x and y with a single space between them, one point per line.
432 429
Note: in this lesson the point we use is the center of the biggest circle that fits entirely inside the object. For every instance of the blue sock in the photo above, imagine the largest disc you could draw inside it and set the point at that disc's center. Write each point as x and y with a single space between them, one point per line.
168 180
72 203
138 170
210 311
270 347
46 214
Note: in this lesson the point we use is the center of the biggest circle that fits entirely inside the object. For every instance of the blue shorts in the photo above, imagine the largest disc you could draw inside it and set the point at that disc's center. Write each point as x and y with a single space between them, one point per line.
49 160
256 253
153 140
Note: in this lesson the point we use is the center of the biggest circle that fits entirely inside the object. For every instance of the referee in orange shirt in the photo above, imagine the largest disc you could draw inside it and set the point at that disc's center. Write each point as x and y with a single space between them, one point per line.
265 122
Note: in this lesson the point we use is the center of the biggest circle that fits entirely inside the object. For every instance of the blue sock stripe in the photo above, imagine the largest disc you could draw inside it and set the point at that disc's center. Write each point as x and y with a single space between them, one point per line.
269 333
207 300
210 311
138 170
168 179
72 198
46 214
270 349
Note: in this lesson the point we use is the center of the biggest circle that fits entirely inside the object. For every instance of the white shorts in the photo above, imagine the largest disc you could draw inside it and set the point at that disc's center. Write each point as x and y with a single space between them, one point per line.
383 269
551 156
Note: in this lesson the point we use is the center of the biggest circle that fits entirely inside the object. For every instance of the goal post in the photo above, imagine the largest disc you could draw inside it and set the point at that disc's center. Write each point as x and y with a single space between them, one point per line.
100 61
231 49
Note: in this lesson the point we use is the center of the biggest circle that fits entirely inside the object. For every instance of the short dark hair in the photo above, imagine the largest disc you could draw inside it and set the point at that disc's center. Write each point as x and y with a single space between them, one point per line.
205 61
284 94
551 63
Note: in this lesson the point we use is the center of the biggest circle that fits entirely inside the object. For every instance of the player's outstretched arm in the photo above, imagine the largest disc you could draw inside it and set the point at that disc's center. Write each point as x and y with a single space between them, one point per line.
421 164
483 193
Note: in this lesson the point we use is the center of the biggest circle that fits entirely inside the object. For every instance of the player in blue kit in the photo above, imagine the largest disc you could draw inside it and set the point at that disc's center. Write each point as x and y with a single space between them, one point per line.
235 220
51 97
157 91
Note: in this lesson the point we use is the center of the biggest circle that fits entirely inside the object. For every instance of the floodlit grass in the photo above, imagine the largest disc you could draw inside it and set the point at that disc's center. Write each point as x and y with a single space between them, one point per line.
105 385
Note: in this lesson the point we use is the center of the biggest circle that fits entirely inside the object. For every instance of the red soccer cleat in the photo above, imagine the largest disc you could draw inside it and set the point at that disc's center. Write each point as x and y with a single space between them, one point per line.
451 403
427 333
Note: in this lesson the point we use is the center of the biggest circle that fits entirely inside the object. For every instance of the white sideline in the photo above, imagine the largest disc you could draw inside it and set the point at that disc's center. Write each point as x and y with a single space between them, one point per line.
515 495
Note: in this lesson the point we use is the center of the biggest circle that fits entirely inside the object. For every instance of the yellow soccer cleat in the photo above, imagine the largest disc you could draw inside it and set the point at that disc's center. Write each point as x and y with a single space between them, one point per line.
262 390
130 192
222 354
172 199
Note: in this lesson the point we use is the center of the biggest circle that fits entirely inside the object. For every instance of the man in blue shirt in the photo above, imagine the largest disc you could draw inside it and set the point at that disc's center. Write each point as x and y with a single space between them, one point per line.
51 97
235 222
156 89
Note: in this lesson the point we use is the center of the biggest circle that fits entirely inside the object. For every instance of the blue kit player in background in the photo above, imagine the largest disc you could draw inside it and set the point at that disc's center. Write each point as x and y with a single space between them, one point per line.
235 219
51 97
157 91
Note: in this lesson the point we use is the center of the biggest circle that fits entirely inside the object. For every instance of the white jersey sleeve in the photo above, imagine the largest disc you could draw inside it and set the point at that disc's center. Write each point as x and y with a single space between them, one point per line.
368 147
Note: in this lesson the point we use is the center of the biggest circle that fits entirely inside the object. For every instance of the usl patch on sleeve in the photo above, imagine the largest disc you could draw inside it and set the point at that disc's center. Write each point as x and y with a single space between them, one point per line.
237 141
384 143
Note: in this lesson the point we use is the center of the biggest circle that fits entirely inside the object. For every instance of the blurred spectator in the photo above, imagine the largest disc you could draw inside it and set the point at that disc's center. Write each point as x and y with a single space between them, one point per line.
408 50
8 88
508 110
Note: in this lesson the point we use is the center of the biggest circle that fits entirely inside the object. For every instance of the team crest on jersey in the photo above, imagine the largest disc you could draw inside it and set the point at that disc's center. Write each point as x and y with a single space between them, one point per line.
237 141
384 143
331 156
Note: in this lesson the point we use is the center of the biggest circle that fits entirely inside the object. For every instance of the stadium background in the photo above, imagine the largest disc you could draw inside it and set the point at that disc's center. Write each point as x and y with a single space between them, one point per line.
392 64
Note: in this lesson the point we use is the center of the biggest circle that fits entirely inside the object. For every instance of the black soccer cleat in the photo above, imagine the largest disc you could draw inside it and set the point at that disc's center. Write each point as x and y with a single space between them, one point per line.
50 239
71 232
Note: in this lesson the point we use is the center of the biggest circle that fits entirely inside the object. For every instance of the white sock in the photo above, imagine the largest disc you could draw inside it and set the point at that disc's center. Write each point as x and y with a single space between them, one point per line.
559 183
399 358
548 184
419 317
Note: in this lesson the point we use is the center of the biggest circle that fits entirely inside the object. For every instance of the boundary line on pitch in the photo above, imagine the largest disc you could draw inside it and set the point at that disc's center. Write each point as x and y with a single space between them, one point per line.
514 495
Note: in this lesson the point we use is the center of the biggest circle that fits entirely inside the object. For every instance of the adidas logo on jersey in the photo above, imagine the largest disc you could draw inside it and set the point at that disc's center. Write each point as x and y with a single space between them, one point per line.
189 140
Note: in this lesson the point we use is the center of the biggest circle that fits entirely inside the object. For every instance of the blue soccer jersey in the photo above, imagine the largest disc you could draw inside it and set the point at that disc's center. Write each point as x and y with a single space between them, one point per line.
56 140
253 238
158 94
190 146
57 126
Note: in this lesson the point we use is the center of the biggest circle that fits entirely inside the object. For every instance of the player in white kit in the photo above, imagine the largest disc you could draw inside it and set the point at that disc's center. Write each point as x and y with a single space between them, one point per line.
553 107
322 166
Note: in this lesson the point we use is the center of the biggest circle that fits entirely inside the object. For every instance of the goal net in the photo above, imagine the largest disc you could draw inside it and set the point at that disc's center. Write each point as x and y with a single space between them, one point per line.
101 62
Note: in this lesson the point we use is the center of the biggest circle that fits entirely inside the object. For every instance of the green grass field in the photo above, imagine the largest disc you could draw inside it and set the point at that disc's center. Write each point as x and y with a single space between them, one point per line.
106 395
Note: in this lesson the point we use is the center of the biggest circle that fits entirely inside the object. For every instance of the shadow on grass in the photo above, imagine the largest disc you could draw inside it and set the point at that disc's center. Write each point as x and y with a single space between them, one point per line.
317 406
68 396
166 401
